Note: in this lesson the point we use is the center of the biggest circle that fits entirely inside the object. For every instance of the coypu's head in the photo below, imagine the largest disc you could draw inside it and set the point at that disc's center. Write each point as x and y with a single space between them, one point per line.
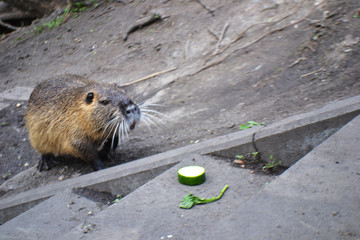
113 113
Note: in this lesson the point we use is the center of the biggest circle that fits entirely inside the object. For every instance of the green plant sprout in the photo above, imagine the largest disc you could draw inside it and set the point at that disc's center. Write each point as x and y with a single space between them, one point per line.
118 198
250 124
54 23
76 8
79 7
190 200
272 163
242 157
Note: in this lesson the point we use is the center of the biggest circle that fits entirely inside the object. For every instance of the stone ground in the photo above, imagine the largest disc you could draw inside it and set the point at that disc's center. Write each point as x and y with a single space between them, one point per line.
249 60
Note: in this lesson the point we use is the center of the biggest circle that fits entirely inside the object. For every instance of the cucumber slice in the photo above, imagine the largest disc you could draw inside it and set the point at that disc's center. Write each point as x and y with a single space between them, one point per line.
191 175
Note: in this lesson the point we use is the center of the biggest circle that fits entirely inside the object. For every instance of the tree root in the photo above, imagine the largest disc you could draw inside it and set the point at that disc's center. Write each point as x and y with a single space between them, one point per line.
256 40
142 23
206 8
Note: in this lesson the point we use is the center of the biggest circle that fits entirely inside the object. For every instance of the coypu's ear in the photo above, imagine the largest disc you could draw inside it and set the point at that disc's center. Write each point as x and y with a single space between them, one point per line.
89 97
119 87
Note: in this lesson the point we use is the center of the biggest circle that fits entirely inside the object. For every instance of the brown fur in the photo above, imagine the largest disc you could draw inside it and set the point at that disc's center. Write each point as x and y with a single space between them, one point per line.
61 121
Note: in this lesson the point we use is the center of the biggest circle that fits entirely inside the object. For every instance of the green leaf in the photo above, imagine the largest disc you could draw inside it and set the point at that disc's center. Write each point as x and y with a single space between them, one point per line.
244 126
255 154
272 163
250 124
190 200
187 202
118 198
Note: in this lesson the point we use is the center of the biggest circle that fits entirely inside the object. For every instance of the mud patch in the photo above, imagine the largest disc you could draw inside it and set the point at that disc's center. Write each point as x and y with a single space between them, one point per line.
255 163
16 154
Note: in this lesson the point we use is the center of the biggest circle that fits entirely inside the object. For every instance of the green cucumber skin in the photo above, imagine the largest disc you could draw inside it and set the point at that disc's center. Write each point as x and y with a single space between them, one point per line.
192 181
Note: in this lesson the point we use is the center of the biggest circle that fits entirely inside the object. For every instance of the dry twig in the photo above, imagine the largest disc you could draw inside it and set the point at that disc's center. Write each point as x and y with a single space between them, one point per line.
147 77
297 61
313 72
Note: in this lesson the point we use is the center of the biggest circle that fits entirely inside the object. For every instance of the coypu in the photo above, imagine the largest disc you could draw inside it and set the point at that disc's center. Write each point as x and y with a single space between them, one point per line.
70 115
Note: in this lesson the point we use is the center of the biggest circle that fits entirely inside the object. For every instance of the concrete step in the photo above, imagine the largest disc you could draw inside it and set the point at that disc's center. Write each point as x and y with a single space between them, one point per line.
317 198
140 205
51 219
151 211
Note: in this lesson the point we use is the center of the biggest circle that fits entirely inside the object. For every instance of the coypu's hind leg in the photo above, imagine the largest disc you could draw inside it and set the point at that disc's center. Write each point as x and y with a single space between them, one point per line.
46 162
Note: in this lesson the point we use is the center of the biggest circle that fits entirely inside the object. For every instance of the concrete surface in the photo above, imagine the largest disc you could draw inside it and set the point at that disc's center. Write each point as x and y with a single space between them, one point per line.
317 198
52 219
304 132
155 202
138 172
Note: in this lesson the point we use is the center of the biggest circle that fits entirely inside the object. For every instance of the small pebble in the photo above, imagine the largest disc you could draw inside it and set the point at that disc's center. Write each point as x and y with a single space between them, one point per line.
26 164
237 161
252 172
61 178
18 105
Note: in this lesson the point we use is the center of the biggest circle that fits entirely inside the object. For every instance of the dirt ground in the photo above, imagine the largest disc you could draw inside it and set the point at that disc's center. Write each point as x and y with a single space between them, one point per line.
217 66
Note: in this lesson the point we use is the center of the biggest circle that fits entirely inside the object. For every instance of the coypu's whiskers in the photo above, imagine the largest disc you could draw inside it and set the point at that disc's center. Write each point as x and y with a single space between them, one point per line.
144 108
153 111
112 124
123 131
147 119
106 125
113 137
150 116
143 104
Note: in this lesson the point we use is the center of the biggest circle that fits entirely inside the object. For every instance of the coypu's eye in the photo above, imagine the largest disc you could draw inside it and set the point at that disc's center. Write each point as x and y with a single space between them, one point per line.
89 97
104 102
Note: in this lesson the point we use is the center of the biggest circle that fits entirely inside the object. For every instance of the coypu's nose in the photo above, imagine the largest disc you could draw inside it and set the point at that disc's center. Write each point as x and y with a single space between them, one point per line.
132 113
131 109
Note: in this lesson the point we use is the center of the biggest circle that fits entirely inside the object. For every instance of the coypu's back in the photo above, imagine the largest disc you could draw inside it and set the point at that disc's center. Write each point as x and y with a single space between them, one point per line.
55 88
